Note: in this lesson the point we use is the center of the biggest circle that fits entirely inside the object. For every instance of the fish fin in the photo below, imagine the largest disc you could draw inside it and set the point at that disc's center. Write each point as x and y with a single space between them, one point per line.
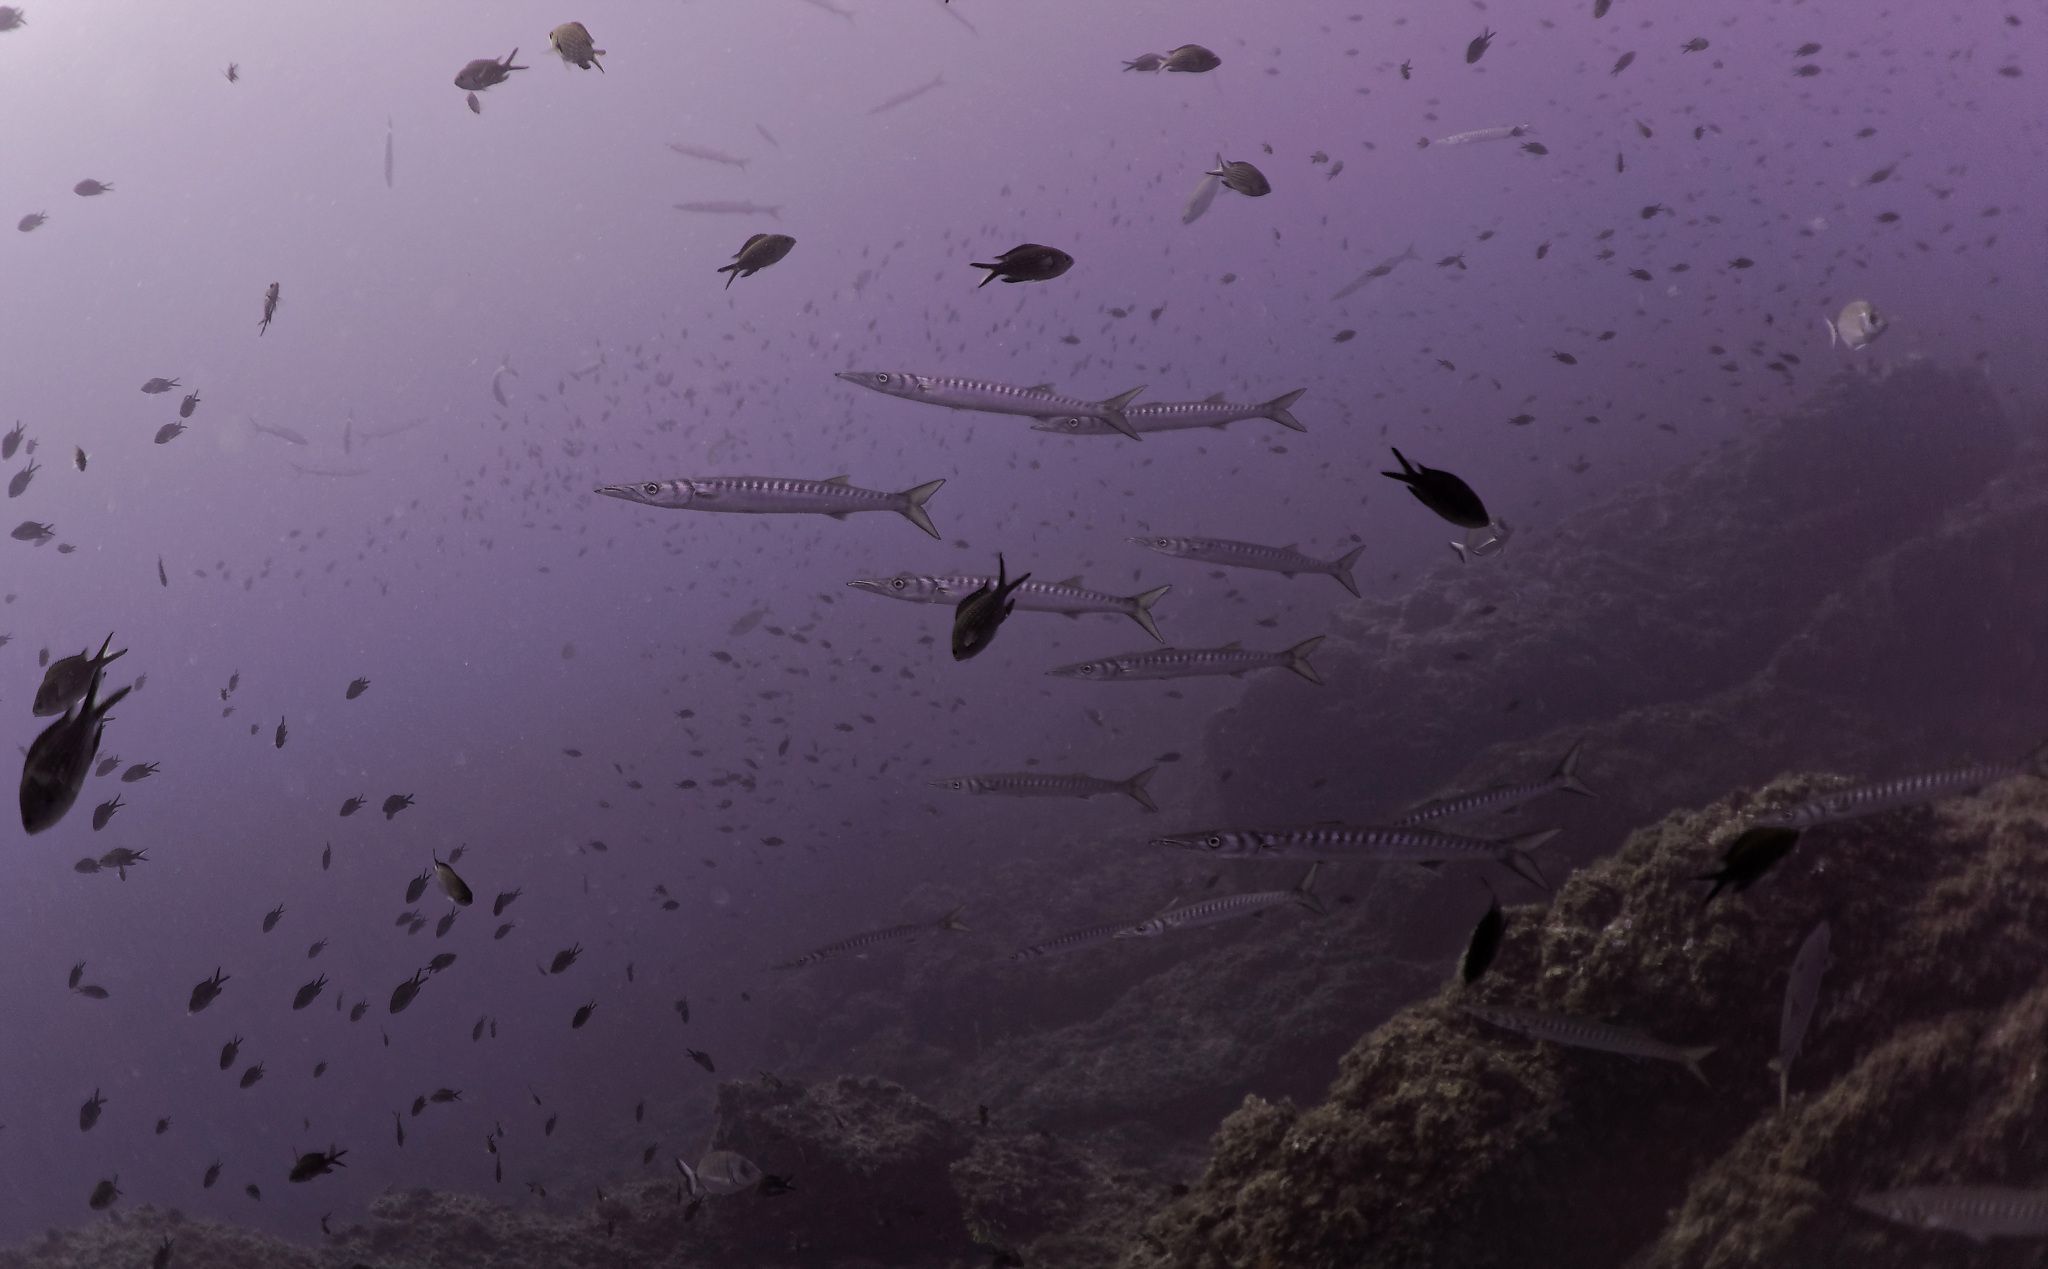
837 515
1232 646
1459 547
1784 1081
838 480
1567 773
732 271
1829 322
1036 387
1113 412
1297 659
1305 891
913 505
1075 580
690 1181
993 274
1142 613
1135 787
951 921
1692 1057
1340 569
1518 853
1214 398
1276 409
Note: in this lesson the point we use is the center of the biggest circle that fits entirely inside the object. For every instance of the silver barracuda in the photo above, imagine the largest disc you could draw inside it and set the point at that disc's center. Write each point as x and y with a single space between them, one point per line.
1173 416
1038 401
1229 907
1285 560
1068 598
1187 663
775 495
1048 784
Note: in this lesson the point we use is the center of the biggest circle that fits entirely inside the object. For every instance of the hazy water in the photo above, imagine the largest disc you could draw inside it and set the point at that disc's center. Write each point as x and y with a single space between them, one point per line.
505 614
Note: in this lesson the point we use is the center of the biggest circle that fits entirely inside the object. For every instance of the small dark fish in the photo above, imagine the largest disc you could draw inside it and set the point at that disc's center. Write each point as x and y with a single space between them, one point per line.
1536 148
1442 493
703 1059
1622 63
272 917
773 1186
105 811
1748 858
395 803
89 188
485 72
1238 175
504 900
582 1015
317 1164
92 991
356 687
1806 50
683 1008
189 404
977 616
310 992
1564 358
252 1076
1190 59
1484 944
403 994
1741 262
206 991
418 886
228 1052
1696 44
1477 48
1600 8
212 1175
89 1113
452 884
1407 70
565 958
269 309
279 741
756 254
103 1195
1029 262
78 457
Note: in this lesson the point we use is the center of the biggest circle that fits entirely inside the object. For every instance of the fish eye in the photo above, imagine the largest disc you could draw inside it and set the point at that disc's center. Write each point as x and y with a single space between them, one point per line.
882 378
1073 425
1215 843
1087 669
959 784
650 489
898 584
1166 541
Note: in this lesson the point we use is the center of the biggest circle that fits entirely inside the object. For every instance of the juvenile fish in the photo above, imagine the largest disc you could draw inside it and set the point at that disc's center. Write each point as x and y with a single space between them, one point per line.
1183 663
1171 416
859 944
772 495
1068 598
1030 784
1587 1033
1228 907
1284 560
1564 778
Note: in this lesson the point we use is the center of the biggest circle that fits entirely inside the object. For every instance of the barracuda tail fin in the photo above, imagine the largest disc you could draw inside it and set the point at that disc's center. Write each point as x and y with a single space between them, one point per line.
1112 412
1518 855
1297 659
1276 409
1305 892
913 505
1142 612
1135 787
1340 569
1692 1058
951 922
1566 776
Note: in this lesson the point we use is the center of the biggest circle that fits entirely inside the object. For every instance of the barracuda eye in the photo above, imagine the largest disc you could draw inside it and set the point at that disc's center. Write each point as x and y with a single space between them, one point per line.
1165 542
959 784
1087 669
898 584
1215 843
1073 425
650 489
882 378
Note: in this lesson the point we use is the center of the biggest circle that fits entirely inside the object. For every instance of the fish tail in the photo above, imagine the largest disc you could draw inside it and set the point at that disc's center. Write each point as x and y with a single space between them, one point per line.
1276 409
690 1181
1784 1081
1692 1058
1142 610
731 269
951 921
1305 891
1566 776
1113 412
1829 322
1340 569
1135 787
1519 853
913 505
1297 659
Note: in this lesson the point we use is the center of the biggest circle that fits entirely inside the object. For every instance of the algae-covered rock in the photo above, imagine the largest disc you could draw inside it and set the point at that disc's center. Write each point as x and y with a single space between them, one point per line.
1444 1142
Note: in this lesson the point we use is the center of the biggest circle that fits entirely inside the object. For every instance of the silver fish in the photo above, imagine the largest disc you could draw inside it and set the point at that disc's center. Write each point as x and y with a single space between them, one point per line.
1564 778
860 943
1183 663
1977 1212
1375 843
1504 132
771 495
1200 201
1038 401
1048 784
1093 936
719 1172
722 208
1068 598
1228 907
387 151
269 311
708 154
1802 995
1856 325
909 95
1284 560
284 434
1891 795
1588 1033
1170 416
1380 270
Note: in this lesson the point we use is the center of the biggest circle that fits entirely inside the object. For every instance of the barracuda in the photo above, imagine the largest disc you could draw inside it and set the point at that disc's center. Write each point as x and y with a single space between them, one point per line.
1229 907
1284 560
1383 844
1170 416
1068 598
1038 401
1183 663
772 495
1030 784
1587 1033
1891 795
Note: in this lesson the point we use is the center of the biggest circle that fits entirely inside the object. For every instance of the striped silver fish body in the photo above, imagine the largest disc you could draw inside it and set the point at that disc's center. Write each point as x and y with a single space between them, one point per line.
1182 663
1173 416
1802 996
1888 795
1502 133
990 398
1978 1212
861 943
1235 554
1068 598
1229 907
1093 936
1588 1033
1564 778
774 495
1380 844
1031 784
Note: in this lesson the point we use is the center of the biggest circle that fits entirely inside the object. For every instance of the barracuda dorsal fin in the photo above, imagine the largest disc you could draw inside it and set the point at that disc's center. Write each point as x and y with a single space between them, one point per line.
837 480
1233 646
1042 387
1214 398
1075 580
